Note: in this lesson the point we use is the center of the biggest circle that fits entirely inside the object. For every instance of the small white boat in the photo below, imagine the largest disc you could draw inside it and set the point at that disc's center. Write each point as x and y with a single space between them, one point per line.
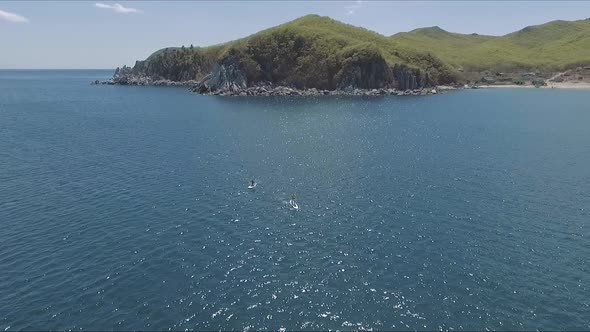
294 204
252 186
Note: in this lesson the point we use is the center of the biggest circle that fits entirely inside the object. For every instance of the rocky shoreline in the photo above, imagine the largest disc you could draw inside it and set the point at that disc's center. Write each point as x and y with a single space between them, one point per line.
287 91
271 90
228 77
147 82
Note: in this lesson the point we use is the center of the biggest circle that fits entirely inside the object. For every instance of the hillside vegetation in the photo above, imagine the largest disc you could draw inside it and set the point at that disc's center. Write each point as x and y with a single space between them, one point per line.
320 52
553 46
311 51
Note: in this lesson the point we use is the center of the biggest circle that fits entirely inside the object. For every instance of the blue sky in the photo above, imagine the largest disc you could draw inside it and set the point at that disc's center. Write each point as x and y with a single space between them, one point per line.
104 34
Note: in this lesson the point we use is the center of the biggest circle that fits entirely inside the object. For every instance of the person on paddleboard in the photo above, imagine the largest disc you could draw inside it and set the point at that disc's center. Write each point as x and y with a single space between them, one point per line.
293 203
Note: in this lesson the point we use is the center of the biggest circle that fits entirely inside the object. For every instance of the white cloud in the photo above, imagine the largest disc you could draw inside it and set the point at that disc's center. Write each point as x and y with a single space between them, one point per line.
117 8
351 9
12 17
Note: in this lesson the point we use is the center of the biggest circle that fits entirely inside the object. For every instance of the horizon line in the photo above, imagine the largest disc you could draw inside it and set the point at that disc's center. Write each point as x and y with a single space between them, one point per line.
59 68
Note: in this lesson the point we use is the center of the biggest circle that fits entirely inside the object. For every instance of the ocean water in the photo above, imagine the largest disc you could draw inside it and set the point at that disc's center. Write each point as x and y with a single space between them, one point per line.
127 208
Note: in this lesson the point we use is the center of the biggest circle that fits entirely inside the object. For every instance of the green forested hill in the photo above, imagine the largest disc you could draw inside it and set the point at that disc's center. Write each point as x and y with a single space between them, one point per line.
311 51
315 51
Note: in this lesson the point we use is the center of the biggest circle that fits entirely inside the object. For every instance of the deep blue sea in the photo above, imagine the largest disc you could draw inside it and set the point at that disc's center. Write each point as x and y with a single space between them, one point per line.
127 208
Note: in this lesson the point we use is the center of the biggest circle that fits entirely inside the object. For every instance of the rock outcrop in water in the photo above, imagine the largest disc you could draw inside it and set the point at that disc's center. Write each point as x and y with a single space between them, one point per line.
359 75
357 78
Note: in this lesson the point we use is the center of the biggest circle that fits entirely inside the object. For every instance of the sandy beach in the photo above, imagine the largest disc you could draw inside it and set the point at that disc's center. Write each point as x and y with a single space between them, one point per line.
557 85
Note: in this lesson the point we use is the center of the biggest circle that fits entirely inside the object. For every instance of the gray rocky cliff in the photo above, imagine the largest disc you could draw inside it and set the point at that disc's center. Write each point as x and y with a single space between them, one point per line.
226 76
357 71
364 74
407 78
124 75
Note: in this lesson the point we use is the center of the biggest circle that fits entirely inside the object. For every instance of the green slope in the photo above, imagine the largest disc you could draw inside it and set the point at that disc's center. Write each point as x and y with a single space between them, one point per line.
446 45
552 46
555 45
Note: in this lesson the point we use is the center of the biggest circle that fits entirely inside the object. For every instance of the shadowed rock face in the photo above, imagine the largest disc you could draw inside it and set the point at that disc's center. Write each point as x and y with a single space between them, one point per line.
372 73
364 74
227 77
407 78
359 69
